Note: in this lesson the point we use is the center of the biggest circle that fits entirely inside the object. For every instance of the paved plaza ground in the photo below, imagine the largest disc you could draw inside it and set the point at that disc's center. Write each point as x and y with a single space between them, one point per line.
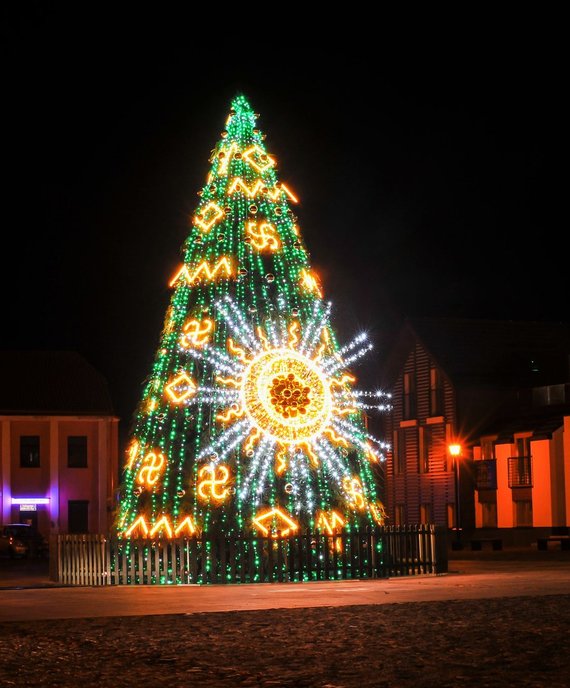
499 639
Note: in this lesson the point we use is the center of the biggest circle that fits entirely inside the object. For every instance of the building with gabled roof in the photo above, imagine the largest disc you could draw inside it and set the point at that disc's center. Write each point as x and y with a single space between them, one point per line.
58 443
500 390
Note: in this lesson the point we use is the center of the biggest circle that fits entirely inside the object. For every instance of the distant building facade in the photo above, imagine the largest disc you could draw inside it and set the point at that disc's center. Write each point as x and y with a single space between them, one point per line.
58 443
521 468
500 391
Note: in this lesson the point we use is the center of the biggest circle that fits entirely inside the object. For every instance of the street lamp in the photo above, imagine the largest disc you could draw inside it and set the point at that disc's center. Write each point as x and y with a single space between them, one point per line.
455 451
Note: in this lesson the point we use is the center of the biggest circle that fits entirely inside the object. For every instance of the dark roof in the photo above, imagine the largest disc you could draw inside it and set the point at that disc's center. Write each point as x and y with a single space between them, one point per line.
541 424
51 383
494 352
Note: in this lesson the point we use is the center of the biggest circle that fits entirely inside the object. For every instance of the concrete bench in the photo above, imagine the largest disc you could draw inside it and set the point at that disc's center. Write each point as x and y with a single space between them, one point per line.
564 540
477 543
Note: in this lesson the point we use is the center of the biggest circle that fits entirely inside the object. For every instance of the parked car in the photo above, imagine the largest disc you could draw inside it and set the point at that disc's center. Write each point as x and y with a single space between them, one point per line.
12 546
22 540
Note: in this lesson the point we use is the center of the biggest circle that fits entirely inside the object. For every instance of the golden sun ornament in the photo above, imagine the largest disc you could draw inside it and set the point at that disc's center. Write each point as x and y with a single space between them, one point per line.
286 396
283 395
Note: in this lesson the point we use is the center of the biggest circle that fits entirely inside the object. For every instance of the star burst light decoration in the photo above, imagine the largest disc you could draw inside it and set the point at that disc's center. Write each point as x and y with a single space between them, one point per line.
286 397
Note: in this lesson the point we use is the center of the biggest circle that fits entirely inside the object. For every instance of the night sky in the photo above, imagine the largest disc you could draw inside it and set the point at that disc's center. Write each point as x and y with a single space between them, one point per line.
427 172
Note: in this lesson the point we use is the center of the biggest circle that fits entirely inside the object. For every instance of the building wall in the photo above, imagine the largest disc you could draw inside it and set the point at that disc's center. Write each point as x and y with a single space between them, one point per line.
541 492
504 496
549 492
565 512
414 494
54 479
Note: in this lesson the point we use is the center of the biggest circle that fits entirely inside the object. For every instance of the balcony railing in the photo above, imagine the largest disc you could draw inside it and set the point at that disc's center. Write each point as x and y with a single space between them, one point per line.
520 471
486 474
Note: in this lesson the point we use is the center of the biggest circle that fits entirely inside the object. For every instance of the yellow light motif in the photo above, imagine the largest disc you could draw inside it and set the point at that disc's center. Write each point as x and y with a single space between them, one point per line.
209 216
196 333
289 193
263 339
229 381
319 354
208 488
310 283
353 488
286 396
281 461
225 161
151 406
263 236
256 157
139 523
186 524
253 436
238 184
345 379
231 413
329 522
153 465
345 411
314 459
162 522
236 350
371 454
259 187
222 268
132 453
337 439
325 341
293 330
181 388
279 516
378 512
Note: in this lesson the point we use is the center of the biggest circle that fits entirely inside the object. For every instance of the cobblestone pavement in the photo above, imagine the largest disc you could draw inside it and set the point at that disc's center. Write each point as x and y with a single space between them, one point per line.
517 641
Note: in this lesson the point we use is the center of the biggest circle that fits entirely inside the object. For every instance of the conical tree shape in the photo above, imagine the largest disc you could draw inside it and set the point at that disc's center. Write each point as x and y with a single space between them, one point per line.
249 421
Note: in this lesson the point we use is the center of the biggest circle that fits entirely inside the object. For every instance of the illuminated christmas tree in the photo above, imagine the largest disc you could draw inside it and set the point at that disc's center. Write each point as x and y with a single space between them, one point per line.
249 421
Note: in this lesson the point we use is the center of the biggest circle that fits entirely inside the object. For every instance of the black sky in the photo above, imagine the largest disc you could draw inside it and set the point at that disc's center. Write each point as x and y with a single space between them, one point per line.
427 166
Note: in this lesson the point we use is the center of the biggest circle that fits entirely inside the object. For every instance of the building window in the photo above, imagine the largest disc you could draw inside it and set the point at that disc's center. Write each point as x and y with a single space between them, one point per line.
549 395
520 471
435 393
520 466
409 396
78 516
523 446
77 451
425 513
489 515
523 513
486 474
451 515
400 514
487 448
400 451
424 447
29 451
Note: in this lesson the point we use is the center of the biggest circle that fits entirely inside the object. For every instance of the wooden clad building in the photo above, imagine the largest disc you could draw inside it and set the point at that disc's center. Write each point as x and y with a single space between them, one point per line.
493 390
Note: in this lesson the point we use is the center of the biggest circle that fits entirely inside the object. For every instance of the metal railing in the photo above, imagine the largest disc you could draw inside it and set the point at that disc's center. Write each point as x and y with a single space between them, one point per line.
520 471
380 553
